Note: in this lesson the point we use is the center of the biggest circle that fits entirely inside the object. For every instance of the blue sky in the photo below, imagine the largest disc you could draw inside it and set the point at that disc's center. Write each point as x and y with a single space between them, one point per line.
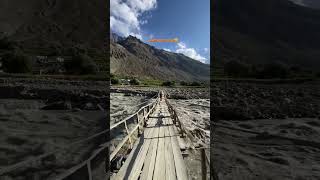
187 20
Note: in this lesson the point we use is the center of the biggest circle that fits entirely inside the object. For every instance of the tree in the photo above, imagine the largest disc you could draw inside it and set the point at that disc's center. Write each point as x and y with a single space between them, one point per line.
81 64
17 62
134 81
115 80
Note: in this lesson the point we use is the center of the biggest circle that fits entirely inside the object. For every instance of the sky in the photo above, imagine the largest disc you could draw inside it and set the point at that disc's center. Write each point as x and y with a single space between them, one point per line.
187 20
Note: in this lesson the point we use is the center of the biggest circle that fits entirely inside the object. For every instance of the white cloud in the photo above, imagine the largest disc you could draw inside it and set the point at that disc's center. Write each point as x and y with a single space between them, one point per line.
125 16
206 50
190 52
169 50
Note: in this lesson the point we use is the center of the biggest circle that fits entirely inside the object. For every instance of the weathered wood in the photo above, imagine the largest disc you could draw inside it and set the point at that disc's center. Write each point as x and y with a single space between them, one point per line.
178 159
127 130
170 166
148 169
117 149
89 170
159 172
139 127
137 167
203 164
120 175
159 157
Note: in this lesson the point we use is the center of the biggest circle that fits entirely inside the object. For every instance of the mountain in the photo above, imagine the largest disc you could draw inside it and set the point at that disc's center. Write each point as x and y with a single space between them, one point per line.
308 3
132 57
45 24
266 31
114 37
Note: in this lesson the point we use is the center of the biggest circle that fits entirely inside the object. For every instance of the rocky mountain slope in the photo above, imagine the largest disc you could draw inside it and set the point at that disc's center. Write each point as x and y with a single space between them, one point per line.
309 3
38 24
266 31
132 57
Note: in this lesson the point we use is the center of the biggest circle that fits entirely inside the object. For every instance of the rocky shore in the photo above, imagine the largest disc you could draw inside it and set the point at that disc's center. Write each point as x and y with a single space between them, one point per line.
243 100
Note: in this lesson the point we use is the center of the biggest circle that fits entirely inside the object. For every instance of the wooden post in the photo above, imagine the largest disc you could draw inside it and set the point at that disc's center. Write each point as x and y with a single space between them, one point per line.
138 122
203 164
130 141
89 170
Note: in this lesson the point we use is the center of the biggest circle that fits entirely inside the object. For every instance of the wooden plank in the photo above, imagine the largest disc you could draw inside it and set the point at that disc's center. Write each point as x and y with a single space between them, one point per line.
170 166
148 169
138 164
178 159
159 172
131 159
122 171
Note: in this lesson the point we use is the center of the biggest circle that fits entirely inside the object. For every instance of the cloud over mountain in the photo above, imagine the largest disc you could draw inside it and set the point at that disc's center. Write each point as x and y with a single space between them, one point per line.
126 16
190 52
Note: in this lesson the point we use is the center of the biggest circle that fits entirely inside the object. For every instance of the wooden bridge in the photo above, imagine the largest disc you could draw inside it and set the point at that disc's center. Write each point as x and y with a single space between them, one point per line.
156 153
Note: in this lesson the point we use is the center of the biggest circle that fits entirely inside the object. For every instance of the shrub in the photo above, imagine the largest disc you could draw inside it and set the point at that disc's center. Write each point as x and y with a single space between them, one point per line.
183 83
168 83
81 65
195 84
115 80
17 62
134 81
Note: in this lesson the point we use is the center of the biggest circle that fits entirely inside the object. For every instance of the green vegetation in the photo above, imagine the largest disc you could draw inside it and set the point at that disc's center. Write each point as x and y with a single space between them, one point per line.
81 64
135 81
16 62
114 80
169 83
195 83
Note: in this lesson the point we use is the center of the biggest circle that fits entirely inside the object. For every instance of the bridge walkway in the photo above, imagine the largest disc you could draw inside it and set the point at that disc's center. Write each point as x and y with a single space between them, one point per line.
156 154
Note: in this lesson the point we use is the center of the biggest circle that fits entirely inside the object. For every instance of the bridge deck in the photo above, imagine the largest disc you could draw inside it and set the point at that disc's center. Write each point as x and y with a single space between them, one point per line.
156 154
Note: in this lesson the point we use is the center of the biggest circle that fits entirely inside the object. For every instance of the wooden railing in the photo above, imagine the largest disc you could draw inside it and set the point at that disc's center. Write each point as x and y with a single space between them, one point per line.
175 118
205 162
145 111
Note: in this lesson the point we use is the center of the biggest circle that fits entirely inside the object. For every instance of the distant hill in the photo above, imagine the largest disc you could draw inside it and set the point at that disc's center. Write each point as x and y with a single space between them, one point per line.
266 31
308 3
132 57
43 25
